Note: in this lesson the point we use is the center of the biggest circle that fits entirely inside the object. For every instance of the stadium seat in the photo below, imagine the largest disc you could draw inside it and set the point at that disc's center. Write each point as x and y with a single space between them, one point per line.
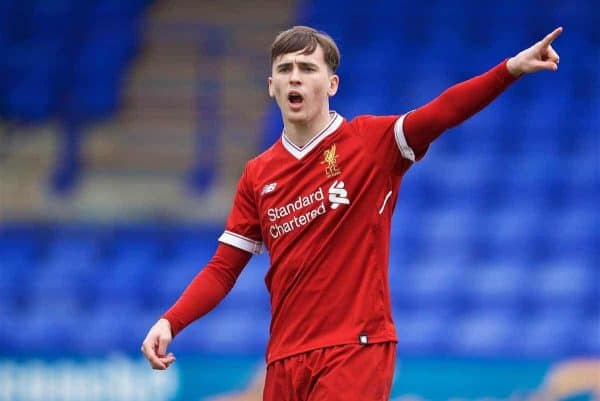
431 284
227 331
565 283
484 332
549 334
494 285
54 19
418 330
250 288
115 9
587 335
168 280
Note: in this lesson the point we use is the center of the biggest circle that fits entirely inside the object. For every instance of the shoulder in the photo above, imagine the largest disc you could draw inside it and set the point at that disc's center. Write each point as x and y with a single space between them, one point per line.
261 162
367 124
366 120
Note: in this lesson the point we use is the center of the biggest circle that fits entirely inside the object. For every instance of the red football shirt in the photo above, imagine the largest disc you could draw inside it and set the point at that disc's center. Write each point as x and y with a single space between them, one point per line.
324 212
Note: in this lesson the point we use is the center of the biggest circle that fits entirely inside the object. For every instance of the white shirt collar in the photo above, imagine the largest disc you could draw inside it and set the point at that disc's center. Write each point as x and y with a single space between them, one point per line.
300 152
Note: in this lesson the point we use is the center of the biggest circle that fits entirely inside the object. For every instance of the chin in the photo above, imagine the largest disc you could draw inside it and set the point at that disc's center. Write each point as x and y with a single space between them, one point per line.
297 117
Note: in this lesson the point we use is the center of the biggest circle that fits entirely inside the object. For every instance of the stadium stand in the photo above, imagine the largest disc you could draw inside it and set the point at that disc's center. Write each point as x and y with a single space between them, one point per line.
496 246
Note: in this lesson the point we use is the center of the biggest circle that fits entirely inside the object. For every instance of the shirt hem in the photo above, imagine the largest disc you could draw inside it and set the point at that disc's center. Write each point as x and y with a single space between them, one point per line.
372 340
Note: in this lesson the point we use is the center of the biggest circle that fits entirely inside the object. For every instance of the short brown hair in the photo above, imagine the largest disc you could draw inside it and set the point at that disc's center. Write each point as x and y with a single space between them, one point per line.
307 38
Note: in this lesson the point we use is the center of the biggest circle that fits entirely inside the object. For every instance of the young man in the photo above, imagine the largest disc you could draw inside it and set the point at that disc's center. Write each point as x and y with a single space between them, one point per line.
321 201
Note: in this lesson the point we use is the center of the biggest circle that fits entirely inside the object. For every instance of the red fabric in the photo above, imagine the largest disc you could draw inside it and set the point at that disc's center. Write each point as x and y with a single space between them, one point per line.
350 372
453 106
325 219
208 288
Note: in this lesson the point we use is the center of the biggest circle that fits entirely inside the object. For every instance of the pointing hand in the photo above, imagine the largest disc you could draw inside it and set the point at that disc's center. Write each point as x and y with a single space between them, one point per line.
540 56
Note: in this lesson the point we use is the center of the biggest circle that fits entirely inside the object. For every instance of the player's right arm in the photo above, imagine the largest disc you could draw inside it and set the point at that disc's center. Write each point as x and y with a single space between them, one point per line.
205 292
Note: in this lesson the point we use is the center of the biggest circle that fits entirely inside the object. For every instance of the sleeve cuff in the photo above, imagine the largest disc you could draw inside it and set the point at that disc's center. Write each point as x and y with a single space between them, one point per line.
241 242
405 150
504 75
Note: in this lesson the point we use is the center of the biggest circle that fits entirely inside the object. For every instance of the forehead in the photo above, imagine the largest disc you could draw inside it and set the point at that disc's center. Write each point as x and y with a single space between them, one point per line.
316 57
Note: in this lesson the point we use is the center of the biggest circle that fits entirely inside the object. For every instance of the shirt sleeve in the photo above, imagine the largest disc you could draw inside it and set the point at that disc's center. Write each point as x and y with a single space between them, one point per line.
385 140
208 288
243 225
455 105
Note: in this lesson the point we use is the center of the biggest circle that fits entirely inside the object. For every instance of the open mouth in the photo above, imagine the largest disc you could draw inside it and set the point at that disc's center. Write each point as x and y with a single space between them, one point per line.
295 98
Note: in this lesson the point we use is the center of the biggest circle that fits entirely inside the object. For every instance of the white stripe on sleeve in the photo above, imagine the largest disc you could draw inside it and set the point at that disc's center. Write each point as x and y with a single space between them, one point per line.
405 150
241 242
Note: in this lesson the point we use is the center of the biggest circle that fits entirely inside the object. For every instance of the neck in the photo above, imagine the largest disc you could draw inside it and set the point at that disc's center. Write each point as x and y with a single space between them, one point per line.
301 133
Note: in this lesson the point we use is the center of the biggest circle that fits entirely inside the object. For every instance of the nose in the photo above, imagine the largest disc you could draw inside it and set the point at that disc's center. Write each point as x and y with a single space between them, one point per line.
295 76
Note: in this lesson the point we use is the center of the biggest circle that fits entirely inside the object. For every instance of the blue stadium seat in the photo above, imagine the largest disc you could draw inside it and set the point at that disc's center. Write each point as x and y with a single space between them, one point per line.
549 334
587 335
107 49
495 285
122 280
74 248
115 9
250 289
573 232
232 331
141 242
169 279
20 242
46 329
484 332
98 69
13 287
105 331
54 285
428 284
31 88
563 283
419 329
55 19
194 245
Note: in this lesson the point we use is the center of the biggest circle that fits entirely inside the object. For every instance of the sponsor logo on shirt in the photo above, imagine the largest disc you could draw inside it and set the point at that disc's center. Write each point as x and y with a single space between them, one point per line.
305 209
330 158
268 188
338 195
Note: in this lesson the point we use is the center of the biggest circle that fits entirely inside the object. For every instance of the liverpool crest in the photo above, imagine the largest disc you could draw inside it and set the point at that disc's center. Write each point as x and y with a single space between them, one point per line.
330 158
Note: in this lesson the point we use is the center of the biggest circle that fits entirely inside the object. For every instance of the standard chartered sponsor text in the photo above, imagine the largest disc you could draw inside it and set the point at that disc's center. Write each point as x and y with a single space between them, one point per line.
311 205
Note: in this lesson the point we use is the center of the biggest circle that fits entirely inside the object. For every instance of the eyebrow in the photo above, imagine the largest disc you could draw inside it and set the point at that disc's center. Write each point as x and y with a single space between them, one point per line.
300 63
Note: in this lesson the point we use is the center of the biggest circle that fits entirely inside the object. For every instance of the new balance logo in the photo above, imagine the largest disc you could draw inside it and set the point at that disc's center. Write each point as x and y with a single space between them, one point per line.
338 195
268 188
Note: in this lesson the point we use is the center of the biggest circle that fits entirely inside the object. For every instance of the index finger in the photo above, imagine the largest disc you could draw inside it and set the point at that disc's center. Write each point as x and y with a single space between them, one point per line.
551 36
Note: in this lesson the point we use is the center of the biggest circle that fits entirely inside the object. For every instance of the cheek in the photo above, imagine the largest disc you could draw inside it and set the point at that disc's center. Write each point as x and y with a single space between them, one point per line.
320 90
275 88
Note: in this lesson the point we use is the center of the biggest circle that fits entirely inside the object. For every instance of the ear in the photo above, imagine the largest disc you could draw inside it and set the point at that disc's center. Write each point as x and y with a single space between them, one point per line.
334 82
270 85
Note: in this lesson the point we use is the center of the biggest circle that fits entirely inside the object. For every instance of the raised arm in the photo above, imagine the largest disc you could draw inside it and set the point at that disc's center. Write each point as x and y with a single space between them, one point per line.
205 292
459 102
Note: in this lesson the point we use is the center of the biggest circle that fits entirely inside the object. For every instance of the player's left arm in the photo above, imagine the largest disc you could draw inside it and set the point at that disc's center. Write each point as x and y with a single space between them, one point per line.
459 102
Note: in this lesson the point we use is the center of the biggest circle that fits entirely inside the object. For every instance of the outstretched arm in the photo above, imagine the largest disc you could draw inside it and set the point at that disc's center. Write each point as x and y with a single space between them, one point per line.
205 292
456 104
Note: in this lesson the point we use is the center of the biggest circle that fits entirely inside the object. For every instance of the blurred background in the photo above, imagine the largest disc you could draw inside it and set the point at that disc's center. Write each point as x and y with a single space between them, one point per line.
124 126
